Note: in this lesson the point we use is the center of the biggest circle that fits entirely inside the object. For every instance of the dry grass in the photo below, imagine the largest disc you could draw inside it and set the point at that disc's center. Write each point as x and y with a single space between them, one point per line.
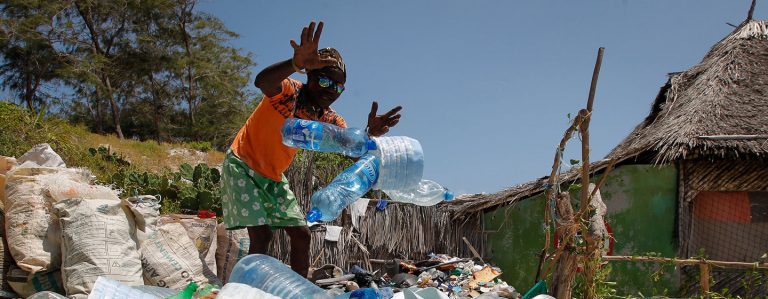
153 156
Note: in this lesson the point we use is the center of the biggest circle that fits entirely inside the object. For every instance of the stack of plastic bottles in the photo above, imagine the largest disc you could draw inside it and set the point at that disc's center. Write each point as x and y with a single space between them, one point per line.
392 164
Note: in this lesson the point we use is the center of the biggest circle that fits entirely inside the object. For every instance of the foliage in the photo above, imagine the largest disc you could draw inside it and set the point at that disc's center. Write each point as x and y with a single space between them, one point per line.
142 69
186 190
603 287
203 146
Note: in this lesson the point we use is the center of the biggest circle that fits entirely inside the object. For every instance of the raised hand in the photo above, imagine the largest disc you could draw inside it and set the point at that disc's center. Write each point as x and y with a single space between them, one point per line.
305 53
379 124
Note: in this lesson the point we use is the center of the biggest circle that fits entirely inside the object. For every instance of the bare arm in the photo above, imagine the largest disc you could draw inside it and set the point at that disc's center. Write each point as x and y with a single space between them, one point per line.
270 79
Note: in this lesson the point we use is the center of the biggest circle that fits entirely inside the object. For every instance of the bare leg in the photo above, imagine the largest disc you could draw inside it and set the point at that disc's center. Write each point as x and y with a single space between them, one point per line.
300 242
260 237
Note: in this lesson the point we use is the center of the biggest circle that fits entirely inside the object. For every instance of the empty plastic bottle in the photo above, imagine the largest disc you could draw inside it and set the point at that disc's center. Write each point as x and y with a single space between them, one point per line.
426 193
402 162
324 137
272 276
347 187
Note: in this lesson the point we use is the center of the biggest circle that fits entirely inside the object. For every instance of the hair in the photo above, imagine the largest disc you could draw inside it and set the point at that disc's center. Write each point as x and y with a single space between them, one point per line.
334 54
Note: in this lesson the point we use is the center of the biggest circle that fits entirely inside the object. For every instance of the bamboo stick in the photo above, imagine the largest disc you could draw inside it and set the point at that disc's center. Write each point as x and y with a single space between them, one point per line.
654 259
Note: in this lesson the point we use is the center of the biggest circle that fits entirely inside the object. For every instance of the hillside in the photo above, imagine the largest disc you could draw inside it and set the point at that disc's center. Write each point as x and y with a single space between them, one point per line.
20 130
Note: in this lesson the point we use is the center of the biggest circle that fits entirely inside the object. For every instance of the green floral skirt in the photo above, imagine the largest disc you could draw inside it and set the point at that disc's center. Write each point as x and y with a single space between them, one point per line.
250 199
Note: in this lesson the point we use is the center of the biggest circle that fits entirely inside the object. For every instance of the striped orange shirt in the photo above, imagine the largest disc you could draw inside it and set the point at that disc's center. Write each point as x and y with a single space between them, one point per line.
259 142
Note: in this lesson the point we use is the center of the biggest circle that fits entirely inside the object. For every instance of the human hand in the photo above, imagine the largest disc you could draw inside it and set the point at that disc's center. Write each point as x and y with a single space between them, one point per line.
305 53
379 124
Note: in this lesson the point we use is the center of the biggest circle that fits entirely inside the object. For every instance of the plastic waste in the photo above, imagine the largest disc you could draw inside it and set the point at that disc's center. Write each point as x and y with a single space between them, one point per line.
402 162
324 137
187 292
234 290
272 276
426 193
46 295
368 293
106 288
346 188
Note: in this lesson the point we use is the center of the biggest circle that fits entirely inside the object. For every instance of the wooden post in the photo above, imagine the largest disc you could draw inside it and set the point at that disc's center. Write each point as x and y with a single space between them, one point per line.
704 278
565 271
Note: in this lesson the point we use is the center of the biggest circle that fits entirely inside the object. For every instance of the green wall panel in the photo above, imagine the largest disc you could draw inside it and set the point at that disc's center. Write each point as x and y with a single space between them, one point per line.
641 201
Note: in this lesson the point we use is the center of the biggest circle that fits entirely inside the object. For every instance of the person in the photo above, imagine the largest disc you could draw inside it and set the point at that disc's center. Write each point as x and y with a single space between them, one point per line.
255 192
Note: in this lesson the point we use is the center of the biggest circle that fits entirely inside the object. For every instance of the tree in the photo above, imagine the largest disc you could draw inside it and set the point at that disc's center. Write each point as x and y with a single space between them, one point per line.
29 59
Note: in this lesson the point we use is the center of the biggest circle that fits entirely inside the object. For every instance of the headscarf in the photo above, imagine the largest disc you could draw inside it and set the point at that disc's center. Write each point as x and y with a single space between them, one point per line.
333 54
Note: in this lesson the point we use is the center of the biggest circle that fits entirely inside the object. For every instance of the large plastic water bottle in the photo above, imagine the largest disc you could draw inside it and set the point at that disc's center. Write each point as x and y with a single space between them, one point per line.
325 137
346 188
272 276
426 193
402 162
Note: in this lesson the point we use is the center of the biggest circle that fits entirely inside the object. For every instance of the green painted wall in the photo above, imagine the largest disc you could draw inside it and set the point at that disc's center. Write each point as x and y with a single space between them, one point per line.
641 202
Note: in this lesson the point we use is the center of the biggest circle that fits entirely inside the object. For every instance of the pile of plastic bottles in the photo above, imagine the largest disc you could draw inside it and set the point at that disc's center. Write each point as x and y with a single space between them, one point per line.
392 164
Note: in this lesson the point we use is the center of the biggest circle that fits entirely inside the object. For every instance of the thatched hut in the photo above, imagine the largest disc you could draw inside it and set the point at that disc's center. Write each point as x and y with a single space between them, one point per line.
690 180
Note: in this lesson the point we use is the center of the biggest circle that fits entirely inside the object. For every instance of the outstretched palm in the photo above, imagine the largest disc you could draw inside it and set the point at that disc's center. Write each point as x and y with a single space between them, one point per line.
305 53
379 124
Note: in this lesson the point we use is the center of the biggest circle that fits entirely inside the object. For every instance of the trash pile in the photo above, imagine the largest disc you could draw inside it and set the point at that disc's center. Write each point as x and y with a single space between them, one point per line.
441 276
62 234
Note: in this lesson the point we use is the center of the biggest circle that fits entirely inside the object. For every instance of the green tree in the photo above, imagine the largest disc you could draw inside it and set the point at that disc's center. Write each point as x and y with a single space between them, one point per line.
29 59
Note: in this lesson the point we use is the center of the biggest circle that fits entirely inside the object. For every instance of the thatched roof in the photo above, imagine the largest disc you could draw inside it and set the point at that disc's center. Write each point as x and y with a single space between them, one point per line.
717 109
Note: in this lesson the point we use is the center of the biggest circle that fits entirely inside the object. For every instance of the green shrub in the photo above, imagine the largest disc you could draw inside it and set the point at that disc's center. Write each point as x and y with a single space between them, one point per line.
203 146
21 130
184 191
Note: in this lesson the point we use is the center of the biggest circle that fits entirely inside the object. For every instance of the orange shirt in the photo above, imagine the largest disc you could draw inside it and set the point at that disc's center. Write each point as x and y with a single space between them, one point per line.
259 142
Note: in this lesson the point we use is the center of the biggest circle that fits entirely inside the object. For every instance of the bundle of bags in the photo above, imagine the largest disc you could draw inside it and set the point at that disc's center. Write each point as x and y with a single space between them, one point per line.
62 232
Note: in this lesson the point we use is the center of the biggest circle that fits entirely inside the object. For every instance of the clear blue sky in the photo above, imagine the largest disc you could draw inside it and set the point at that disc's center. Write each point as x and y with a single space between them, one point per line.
486 85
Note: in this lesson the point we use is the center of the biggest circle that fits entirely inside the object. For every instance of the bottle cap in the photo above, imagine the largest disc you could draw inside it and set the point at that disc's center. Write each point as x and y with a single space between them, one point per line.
314 215
371 145
448 195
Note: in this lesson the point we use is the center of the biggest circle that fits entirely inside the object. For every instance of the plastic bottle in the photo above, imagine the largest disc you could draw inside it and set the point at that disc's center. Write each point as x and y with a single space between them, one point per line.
272 276
368 293
402 162
187 292
324 137
427 193
347 187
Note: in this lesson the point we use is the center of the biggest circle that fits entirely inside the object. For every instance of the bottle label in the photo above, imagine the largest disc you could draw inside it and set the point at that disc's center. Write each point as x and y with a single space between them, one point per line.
307 134
371 169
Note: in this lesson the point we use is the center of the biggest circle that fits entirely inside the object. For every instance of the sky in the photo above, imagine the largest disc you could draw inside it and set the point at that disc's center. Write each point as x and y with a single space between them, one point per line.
487 85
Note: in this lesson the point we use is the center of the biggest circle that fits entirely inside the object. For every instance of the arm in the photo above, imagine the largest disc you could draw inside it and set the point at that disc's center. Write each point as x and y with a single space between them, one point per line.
305 57
270 79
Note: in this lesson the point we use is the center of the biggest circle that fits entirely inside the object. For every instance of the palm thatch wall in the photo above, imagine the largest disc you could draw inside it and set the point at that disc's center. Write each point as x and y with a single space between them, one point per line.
400 231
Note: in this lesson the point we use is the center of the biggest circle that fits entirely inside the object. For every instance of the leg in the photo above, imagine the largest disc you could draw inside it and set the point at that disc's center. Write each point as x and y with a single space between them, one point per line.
260 237
300 242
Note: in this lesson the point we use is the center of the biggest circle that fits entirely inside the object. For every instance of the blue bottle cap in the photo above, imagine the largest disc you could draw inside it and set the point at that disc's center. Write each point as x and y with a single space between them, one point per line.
371 145
448 195
382 204
314 215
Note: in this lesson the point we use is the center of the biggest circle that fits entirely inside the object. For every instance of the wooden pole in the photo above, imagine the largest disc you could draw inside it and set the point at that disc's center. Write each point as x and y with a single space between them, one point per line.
654 259
704 278
565 271
592 258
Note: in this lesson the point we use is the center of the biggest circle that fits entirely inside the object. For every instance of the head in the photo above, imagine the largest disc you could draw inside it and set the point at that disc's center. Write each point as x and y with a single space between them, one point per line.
324 85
